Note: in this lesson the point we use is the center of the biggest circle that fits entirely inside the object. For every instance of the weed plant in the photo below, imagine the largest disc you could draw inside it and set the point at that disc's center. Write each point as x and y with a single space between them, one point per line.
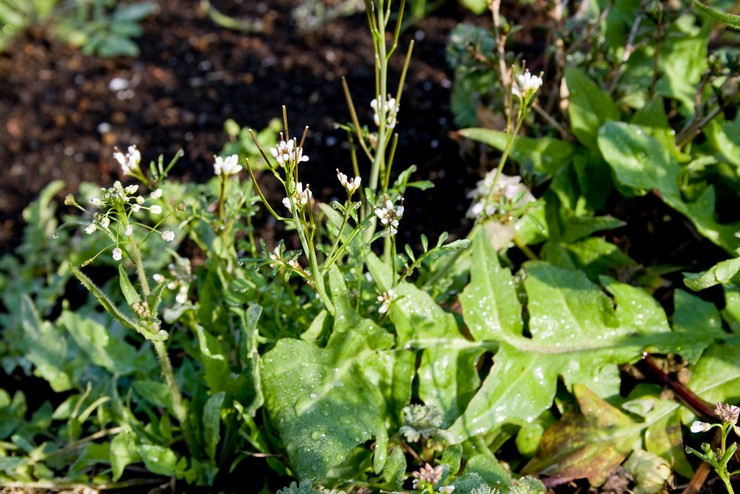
179 345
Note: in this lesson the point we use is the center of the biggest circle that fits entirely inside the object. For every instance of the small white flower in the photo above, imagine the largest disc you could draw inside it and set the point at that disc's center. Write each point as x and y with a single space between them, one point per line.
526 84
389 217
136 208
300 196
129 162
288 153
182 294
158 277
104 222
131 189
351 185
117 254
156 194
227 166
697 427
168 235
95 201
91 228
386 299
156 209
388 110
128 231
294 264
140 200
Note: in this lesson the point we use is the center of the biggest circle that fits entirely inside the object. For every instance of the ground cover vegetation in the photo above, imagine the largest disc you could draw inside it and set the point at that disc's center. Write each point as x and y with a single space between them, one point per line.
527 353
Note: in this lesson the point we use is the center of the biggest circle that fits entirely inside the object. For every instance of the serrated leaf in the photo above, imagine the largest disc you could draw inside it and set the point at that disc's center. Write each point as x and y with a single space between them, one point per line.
576 332
599 438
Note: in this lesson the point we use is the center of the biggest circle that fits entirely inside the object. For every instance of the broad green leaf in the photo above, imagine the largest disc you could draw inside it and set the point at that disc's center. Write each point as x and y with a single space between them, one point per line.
447 372
325 401
720 274
664 438
544 155
45 348
594 256
716 376
158 459
694 317
102 348
492 308
731 312
725 139
212 423
641 164
127 288
123 452
589 108
599 438
575 332
213 358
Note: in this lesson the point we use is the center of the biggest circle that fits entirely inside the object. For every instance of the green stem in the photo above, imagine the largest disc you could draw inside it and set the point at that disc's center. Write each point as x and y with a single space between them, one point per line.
178 403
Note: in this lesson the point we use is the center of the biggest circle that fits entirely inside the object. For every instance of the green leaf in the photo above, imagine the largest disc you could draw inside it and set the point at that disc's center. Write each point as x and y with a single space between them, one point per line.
324 402
102 348
574 332
45 348
213 358
123 452
127 288
212 423
599 438
721 273
158 459
541 155
641 164
155 392
589 108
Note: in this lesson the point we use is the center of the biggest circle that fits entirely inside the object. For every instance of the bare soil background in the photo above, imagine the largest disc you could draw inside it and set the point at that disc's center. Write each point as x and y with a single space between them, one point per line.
62 113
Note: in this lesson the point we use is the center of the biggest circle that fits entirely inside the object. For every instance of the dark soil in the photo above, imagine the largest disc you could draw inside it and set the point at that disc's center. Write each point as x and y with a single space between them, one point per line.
63 112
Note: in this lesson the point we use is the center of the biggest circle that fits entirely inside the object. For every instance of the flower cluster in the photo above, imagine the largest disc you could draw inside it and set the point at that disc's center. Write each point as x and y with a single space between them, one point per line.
526 85
509 193
130 161
301 196
288 153
350 185
725 412
114 205
180 276
431 476
389 217
386 299
227 166
386 111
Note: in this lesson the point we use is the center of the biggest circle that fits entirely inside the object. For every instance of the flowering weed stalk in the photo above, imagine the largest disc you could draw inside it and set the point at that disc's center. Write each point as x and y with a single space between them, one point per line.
114 215
719 459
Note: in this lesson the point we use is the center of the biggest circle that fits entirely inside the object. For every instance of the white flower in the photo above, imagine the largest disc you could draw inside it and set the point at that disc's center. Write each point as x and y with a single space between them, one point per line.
131 189
300 196
117 254
136 208
697 427
91 228
526 84
507 189
156 209
182 294
351 185
168 235
95 201
227 166
156 194
104 222
158 277
130 161
288 152
386 299
389 217
389 110
128 231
